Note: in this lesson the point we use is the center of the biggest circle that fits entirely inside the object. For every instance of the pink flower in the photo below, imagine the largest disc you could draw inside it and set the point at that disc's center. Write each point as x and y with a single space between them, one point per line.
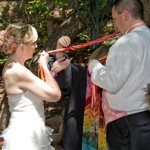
1 42
11 40
9 51
3 32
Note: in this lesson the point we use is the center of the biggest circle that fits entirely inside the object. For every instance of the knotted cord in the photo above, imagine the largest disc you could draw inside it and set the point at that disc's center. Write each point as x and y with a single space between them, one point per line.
75 47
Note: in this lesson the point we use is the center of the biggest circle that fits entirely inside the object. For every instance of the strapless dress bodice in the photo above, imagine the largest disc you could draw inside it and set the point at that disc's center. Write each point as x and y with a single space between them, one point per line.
26 129
26 105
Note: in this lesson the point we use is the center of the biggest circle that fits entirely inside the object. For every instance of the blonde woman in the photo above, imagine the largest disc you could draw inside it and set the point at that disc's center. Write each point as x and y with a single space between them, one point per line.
26 92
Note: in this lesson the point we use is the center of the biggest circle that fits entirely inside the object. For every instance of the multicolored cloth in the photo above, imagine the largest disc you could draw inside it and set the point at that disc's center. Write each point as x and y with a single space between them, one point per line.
94 134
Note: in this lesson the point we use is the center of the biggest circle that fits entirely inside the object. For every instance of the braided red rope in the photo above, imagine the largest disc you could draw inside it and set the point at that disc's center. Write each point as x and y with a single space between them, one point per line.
71 48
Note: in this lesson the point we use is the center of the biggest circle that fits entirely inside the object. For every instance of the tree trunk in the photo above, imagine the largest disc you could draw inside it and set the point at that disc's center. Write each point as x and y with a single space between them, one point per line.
71 27
4 109
146 5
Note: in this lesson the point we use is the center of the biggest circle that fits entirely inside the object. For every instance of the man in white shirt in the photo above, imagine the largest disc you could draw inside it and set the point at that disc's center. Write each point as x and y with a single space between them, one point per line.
124 79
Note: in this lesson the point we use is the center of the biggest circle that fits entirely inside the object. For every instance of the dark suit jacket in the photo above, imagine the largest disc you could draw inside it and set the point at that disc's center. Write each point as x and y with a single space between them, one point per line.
72 82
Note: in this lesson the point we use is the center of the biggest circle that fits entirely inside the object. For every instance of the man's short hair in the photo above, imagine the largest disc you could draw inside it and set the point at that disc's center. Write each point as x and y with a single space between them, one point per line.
134 7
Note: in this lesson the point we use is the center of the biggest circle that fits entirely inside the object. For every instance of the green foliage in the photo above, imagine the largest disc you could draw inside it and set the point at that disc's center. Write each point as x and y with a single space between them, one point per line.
36 8
35 12
38 12
61 3
1 26
84 37
3 59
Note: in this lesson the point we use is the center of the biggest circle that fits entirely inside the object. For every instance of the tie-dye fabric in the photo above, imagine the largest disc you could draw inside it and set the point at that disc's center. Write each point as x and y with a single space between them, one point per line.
94 135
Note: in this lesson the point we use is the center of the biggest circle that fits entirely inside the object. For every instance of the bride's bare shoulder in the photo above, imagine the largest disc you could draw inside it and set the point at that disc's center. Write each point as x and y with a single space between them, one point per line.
13 70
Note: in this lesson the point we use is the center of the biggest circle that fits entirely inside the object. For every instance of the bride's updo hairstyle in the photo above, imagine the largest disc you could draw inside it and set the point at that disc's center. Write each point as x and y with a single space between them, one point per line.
14 35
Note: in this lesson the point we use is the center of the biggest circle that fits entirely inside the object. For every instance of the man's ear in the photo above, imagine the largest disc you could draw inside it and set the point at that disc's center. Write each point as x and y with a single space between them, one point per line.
126 15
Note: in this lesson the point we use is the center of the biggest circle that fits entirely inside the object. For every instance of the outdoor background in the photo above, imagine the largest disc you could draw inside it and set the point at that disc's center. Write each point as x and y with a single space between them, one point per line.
82 20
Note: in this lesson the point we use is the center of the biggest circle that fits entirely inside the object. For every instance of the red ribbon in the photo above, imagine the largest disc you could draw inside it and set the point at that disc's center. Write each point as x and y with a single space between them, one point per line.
72 48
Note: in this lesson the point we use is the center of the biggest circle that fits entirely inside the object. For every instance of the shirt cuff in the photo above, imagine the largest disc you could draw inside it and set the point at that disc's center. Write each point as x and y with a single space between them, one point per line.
92 64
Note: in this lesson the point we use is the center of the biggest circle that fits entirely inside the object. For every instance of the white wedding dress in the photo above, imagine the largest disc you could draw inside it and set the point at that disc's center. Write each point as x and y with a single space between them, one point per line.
26 130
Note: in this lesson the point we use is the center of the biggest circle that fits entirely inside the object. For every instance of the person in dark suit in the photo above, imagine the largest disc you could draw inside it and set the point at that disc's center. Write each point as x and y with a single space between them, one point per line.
71 78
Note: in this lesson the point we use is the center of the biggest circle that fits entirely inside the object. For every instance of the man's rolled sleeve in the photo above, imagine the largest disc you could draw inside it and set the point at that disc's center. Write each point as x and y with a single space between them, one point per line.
94 65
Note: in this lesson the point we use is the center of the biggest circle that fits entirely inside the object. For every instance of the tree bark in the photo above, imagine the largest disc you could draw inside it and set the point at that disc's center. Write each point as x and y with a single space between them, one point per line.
4 109
146 5
70 27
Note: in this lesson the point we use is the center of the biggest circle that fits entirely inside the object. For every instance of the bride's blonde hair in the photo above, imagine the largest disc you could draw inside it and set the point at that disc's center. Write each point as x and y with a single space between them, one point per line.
13 35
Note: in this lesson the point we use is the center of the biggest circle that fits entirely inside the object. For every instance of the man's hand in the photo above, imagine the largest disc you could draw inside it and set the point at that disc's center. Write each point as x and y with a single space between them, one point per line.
62 42
60 64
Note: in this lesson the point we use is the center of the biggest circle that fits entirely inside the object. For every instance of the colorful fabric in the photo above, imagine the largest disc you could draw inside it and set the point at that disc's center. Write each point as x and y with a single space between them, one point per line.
94 134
